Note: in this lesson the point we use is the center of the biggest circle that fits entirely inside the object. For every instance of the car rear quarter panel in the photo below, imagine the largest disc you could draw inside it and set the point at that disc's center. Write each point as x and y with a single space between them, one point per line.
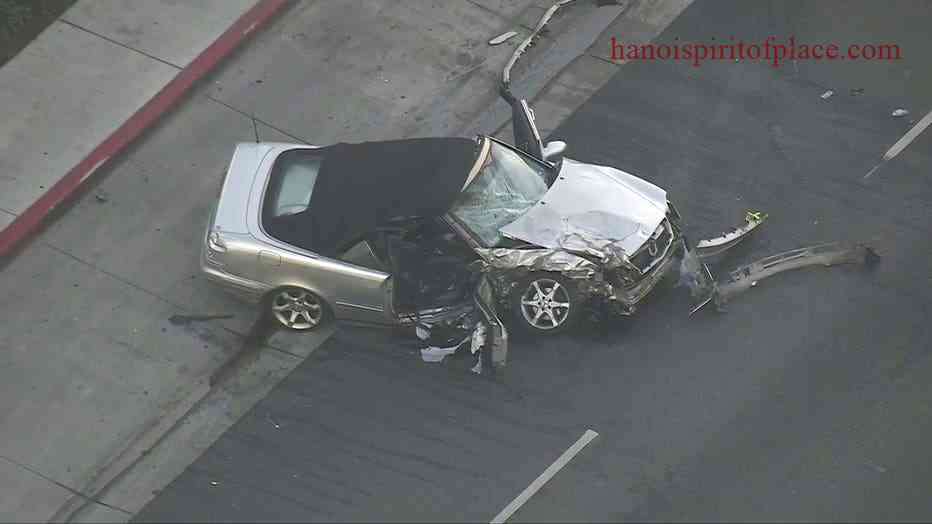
352 292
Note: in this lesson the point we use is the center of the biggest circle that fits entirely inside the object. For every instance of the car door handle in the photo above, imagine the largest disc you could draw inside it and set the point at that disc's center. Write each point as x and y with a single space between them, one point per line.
269 258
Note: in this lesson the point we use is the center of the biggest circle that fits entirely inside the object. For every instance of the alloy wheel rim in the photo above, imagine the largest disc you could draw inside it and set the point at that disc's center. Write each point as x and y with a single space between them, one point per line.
297 309
545 304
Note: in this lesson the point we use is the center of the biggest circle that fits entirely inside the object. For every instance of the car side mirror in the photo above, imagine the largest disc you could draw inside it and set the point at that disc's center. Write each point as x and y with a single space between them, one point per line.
554 150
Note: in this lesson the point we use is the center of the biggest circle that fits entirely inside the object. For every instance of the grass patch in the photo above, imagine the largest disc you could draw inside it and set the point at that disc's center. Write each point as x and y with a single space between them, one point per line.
23 20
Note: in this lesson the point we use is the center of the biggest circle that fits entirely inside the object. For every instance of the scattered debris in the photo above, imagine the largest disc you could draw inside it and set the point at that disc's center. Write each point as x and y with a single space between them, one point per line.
830 254
725 241
903 142
696 276
437 354
827 94
897 113
502 38
478 339
525 45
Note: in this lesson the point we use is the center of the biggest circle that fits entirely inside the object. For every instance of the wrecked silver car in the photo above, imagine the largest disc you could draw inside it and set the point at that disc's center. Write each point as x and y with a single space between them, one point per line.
384 232
409 231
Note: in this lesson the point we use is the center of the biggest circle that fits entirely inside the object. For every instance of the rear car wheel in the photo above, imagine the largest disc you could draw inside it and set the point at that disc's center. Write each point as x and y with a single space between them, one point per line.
297 309
545 304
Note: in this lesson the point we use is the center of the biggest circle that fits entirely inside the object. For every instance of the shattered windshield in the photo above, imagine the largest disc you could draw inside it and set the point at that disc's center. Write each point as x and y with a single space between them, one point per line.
507 186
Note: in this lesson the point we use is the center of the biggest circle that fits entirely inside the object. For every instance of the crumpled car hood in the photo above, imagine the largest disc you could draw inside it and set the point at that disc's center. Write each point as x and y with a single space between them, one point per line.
590 206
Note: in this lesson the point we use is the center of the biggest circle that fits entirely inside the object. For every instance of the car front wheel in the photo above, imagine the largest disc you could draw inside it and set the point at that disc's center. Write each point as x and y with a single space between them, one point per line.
297 309
544 303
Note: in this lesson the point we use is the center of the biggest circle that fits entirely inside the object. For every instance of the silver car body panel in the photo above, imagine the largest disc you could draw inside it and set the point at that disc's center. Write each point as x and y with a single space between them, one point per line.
541 259
715 246
829 254
589 211
595 203
255 263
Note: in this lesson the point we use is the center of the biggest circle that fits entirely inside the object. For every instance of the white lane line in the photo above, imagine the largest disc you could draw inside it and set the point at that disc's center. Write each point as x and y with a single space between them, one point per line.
548 474
901 144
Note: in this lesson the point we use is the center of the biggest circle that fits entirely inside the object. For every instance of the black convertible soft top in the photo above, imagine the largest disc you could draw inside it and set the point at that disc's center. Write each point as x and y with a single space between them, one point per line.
362 186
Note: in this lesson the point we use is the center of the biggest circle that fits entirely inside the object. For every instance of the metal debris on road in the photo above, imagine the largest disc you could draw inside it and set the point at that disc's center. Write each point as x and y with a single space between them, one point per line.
502 38
525 45
827 94
904 141
829 254
714 246
437 354
897 113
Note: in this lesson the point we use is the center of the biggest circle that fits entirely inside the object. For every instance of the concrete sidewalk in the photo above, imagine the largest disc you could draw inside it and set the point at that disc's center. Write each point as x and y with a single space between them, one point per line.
100 362
74 86
91 82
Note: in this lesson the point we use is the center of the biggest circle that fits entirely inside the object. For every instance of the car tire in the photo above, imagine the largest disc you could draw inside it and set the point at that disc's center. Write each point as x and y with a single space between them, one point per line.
545 304
296 309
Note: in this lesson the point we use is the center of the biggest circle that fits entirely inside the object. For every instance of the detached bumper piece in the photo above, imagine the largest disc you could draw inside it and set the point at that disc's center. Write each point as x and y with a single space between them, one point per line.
729 239
830 254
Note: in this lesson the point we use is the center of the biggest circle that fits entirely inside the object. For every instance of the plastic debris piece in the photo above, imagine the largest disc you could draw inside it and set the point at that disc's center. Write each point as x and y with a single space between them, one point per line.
214 483
422 332
899 113
827 94
435 354
478 338
502 38
830 254
714 246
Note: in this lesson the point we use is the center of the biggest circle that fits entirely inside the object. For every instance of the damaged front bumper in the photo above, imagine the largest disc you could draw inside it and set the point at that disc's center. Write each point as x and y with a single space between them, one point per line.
626 298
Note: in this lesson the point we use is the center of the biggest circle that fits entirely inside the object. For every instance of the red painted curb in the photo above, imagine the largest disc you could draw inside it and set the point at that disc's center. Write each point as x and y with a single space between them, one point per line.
30 220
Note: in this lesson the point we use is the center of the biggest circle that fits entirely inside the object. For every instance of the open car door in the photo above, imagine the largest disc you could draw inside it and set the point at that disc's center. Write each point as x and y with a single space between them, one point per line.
492 337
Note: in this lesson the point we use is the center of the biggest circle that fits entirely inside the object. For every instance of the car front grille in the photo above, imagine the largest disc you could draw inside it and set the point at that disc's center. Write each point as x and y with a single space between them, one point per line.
646 258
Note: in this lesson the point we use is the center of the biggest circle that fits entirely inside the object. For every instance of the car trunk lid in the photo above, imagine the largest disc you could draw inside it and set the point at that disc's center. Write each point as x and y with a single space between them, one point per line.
230 213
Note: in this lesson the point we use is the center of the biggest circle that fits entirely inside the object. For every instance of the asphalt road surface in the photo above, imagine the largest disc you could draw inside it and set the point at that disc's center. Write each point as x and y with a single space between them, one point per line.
810 399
